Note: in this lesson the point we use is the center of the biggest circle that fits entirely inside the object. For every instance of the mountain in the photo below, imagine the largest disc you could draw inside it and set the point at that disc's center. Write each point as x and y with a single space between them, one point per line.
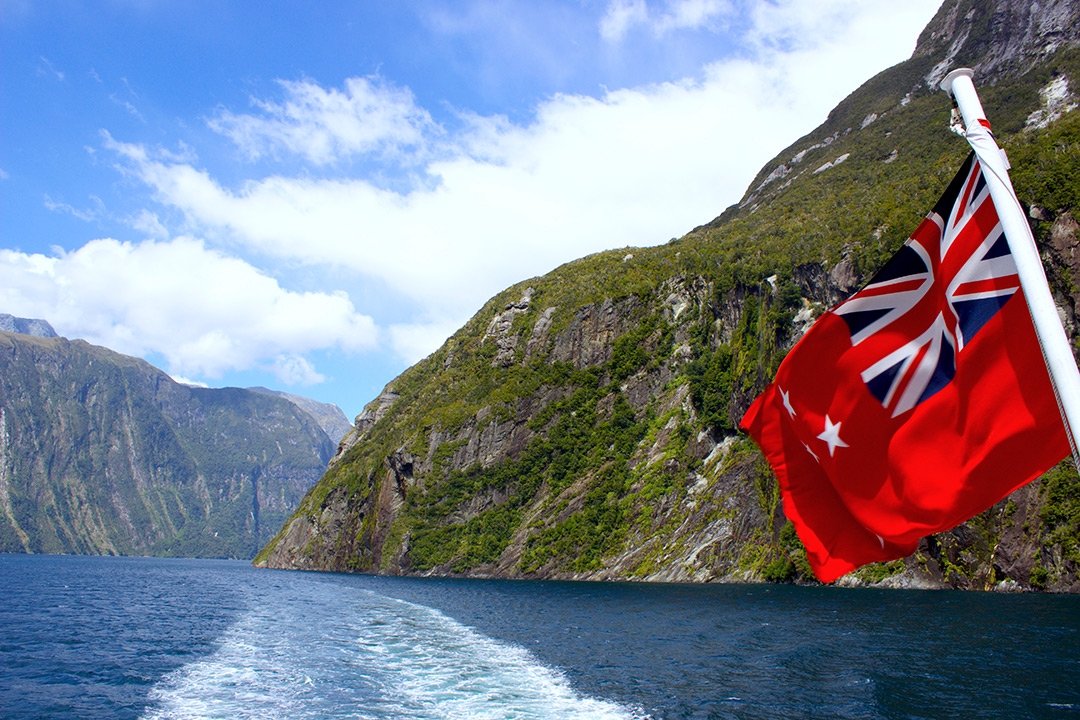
101 453
26 326
582 425
330 417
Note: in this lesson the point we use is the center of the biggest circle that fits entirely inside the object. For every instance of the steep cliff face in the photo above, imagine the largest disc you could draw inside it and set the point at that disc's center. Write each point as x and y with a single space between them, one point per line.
504 487
582 424
104 454
1004 38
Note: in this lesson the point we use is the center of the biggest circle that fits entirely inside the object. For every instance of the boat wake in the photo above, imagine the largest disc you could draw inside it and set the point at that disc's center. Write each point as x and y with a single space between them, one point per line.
332 651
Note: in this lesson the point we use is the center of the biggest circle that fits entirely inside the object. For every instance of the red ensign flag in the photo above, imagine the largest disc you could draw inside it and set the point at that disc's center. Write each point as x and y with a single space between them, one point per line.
919 402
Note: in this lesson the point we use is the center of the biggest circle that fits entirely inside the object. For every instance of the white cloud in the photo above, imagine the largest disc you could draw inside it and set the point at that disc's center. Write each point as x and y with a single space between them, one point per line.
798 24
327 125
147 222
622 15
690 14
205 312
501 202
415 341
634 167
47 68
187 381
128 106
296 370
88 215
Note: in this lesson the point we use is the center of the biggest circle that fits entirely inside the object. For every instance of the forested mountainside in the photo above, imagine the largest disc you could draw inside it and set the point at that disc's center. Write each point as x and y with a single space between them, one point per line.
101 453
583 424
330 417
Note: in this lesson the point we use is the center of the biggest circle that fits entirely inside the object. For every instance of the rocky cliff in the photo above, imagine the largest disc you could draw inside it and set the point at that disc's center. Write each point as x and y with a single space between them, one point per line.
26 326
101 453
582 424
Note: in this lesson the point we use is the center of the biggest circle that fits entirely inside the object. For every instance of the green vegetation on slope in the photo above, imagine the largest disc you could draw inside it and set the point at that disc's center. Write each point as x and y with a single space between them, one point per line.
611 420
101 453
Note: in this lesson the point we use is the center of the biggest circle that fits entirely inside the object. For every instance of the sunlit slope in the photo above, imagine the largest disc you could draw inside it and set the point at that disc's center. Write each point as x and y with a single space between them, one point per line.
582 424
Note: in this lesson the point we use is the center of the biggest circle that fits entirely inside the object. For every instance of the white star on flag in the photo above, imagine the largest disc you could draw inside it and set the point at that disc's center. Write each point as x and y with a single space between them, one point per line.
831 436
787 403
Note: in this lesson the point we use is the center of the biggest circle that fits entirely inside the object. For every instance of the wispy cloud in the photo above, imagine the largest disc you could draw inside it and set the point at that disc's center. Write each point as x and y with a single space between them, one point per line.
89 215
128 106
622 15
296 370
326 125
47 68
148 223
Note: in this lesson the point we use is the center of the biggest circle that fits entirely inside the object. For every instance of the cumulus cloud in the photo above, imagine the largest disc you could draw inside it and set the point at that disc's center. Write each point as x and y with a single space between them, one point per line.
633 167
322 125
207 313
503 201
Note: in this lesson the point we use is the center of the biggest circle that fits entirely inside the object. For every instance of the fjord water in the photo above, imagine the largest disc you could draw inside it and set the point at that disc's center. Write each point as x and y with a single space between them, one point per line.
94 637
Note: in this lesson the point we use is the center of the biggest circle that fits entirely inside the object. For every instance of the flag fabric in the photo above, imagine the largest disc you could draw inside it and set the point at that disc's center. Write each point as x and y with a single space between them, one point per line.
919 402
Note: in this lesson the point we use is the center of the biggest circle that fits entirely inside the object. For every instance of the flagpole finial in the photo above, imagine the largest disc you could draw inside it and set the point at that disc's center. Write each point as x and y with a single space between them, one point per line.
961 89
947 81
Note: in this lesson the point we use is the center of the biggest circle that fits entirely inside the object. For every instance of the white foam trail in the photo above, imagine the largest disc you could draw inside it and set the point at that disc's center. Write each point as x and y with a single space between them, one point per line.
443 669
322 650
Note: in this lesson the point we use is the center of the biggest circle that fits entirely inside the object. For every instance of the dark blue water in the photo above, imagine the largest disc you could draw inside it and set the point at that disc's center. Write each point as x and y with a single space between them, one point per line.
131 637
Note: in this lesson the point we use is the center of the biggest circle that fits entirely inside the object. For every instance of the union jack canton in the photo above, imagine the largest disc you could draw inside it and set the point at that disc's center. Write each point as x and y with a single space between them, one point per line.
955 273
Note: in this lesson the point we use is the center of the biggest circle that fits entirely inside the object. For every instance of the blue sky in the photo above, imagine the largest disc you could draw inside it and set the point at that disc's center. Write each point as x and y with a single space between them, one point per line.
312 196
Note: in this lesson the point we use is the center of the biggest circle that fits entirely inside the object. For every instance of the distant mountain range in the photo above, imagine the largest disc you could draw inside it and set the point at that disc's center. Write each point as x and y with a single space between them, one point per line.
582 425
101 453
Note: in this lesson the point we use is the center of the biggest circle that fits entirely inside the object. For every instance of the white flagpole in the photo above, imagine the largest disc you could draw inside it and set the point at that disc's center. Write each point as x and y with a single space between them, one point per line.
1059 358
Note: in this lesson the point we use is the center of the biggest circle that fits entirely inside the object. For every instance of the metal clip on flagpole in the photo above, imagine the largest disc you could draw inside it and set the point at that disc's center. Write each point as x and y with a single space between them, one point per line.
1059 358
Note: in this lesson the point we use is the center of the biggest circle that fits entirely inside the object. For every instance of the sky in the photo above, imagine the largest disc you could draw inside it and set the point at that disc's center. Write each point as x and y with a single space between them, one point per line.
314 196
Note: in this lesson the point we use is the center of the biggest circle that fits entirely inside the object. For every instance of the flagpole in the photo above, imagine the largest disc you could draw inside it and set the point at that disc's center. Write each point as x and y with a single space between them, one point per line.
1060 362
